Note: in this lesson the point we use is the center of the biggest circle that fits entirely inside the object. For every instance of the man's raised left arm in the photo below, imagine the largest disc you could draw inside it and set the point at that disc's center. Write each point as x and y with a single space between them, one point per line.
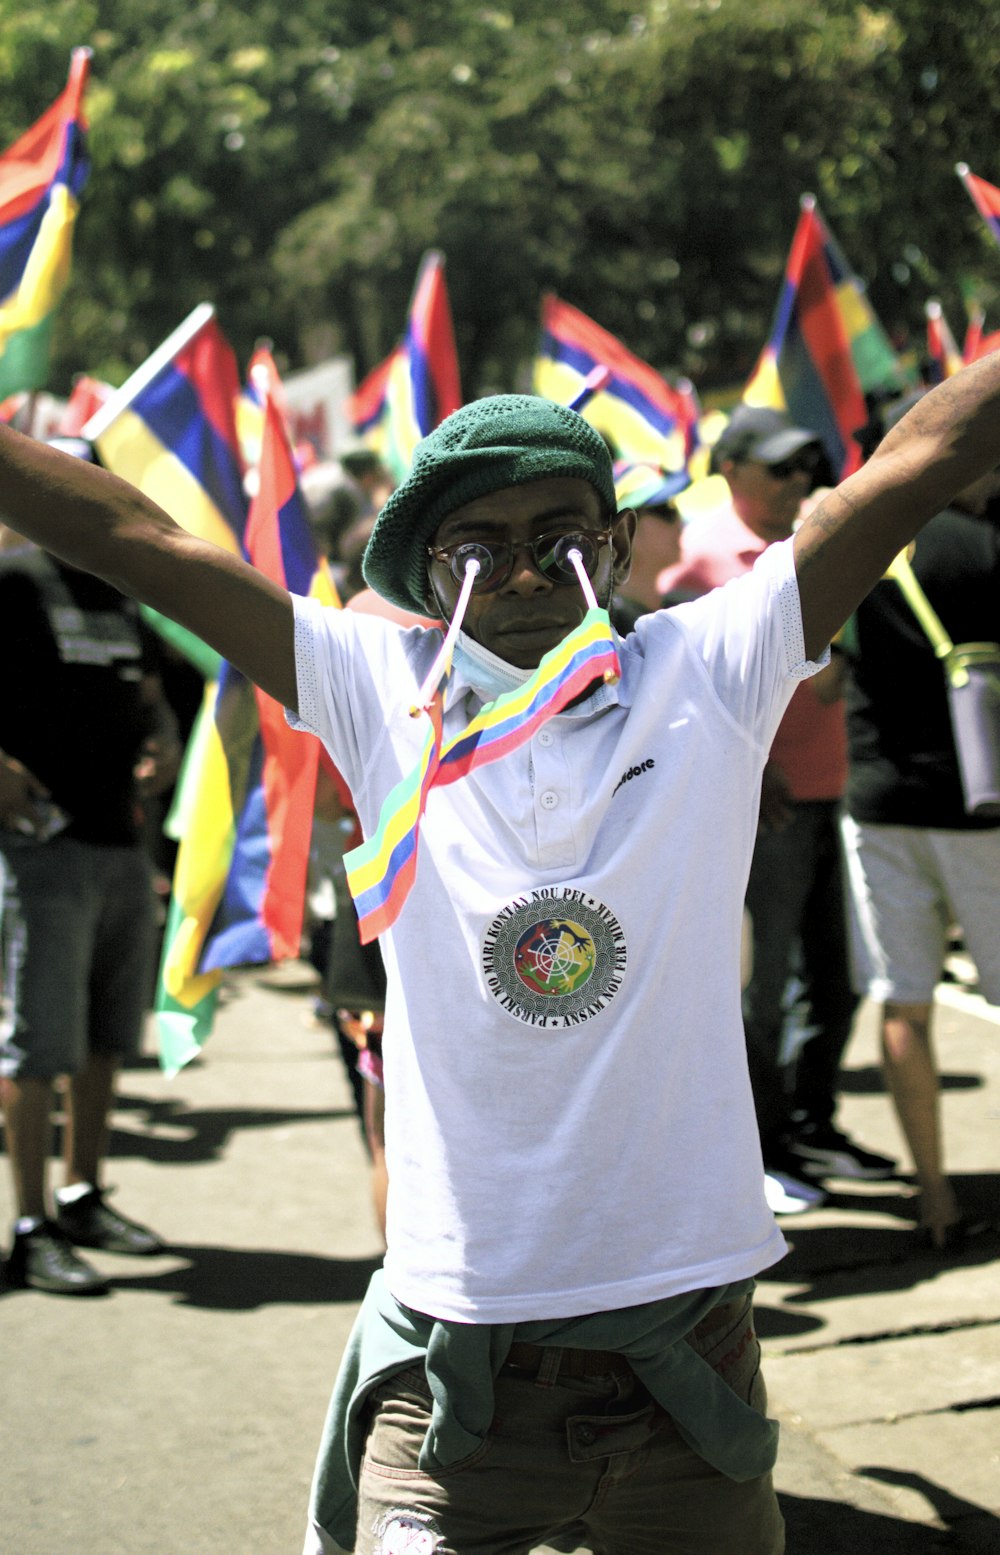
949 439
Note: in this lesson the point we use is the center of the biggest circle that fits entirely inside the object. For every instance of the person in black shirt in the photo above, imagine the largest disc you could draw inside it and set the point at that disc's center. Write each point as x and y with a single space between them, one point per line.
918 862
84 735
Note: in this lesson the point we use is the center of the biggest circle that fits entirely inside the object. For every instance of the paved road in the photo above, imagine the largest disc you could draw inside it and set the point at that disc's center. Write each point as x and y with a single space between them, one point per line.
179 1416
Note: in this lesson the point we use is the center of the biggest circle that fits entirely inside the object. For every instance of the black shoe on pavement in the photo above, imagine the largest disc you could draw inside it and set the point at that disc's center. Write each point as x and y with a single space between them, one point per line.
89 1222
43 1259
823 1151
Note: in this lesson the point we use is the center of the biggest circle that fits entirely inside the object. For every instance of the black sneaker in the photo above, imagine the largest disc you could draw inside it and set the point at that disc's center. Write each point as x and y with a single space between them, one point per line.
89 1222
823 1151
43 1259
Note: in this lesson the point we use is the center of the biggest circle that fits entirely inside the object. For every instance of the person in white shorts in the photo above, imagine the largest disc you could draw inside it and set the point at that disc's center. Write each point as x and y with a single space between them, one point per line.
918 862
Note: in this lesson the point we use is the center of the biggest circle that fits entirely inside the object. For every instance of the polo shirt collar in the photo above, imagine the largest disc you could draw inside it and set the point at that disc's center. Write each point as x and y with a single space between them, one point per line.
477 672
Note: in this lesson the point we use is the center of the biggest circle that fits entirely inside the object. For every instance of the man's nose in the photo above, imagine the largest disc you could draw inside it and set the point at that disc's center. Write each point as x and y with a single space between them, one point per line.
525 576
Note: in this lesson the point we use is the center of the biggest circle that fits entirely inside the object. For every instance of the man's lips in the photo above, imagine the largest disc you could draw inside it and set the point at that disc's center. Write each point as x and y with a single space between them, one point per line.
531 626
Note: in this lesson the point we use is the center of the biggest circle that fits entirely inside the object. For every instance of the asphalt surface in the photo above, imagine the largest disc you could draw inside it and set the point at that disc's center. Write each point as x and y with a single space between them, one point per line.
180 1414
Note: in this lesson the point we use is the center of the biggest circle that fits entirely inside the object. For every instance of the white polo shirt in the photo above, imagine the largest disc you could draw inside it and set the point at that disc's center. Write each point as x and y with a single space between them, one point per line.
569 1121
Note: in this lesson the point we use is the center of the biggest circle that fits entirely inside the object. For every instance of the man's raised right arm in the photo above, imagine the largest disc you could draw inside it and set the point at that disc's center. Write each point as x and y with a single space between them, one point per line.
101 524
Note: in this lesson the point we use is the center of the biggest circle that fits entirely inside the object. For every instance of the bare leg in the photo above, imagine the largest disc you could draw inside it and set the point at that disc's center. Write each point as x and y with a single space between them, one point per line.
27 1108
375 1135
88 1105
911 1075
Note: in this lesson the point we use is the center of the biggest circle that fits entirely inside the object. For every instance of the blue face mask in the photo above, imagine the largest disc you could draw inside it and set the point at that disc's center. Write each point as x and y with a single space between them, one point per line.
488 675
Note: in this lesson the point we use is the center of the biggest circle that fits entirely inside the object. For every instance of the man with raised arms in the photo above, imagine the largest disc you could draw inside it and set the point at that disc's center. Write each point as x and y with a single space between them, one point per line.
560 1346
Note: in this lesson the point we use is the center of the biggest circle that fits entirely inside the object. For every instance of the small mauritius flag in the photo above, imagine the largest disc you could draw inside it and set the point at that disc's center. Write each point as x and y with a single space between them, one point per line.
381 872
985 197
41 176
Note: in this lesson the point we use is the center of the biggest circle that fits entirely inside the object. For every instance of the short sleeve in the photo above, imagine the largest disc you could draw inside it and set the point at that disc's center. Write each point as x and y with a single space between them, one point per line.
748 635
356 675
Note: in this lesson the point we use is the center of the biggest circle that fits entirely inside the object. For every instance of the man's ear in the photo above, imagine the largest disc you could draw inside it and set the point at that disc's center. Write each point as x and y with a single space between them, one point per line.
432 604
623 534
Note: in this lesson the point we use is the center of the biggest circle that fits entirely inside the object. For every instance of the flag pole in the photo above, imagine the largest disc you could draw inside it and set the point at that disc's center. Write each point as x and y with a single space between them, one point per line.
595 381
144 374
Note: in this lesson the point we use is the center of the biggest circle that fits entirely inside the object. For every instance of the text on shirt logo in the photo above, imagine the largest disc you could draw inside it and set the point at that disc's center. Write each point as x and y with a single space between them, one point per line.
633 772
554 958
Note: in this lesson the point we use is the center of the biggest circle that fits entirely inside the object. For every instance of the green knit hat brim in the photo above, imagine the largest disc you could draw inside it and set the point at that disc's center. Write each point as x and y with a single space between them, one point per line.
491 444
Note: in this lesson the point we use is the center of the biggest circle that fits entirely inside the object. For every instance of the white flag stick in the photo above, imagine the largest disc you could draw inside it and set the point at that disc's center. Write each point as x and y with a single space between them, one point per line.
144 375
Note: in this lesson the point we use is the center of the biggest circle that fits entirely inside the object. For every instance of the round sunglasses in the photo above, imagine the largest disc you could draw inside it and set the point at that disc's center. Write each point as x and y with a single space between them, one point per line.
550 555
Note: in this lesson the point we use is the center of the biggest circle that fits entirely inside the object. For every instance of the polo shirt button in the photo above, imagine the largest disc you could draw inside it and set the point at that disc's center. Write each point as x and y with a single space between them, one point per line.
545 737
586 1435
549 799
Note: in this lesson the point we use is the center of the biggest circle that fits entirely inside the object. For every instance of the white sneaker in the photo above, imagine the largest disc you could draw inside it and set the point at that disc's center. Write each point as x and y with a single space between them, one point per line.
788 1196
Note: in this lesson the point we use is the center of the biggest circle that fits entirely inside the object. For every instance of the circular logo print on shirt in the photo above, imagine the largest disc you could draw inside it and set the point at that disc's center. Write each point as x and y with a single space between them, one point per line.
554 958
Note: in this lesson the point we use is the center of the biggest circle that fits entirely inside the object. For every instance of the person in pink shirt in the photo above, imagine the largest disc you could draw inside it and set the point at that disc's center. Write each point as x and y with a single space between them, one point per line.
800 976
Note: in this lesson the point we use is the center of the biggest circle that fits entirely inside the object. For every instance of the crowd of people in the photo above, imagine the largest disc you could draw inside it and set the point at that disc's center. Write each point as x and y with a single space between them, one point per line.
616 1001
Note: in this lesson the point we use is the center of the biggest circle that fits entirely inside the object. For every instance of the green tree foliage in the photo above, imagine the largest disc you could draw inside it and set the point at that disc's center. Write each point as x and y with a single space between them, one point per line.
644 160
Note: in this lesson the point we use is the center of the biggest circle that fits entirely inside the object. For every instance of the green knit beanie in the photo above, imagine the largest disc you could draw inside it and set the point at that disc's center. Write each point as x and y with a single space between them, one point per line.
488 445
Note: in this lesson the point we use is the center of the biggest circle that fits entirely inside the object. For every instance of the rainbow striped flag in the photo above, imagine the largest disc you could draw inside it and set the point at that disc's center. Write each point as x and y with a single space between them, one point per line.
381 872
943 355
985 197
645 418
418 384
806 369
41 177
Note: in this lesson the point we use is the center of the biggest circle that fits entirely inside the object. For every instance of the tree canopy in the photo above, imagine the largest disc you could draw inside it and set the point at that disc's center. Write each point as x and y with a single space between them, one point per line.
642 158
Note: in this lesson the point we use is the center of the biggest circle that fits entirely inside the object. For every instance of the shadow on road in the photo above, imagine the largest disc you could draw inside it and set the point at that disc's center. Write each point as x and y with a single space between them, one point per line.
832 1260
197 1135
231 1279
839 1528
868 1080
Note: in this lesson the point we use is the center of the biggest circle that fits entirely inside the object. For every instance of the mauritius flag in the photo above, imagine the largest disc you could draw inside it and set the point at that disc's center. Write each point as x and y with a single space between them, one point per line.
259 917
944 359
645 417
875 360
985 197
806 369
171 431
418 384
41 177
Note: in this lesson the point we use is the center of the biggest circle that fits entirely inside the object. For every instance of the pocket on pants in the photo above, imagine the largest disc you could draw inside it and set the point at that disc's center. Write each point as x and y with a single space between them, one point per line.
728 1341
399 1415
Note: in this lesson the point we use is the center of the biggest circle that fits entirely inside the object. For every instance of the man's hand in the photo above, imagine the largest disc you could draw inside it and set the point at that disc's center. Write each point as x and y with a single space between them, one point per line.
20 791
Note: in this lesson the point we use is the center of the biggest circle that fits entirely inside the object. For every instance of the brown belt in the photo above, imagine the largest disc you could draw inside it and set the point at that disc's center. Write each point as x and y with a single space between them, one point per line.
527 1358
572 1363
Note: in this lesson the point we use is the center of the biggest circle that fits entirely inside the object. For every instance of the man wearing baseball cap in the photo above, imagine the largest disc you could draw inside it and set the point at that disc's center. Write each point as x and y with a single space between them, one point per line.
561 1342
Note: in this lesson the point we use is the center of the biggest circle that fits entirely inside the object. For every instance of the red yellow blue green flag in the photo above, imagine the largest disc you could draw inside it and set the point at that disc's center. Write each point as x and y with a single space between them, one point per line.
985 197
41 177
806 370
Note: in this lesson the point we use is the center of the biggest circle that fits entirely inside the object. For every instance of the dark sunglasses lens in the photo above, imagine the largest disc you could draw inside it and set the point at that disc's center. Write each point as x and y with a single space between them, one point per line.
492 561
804 463
556 563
